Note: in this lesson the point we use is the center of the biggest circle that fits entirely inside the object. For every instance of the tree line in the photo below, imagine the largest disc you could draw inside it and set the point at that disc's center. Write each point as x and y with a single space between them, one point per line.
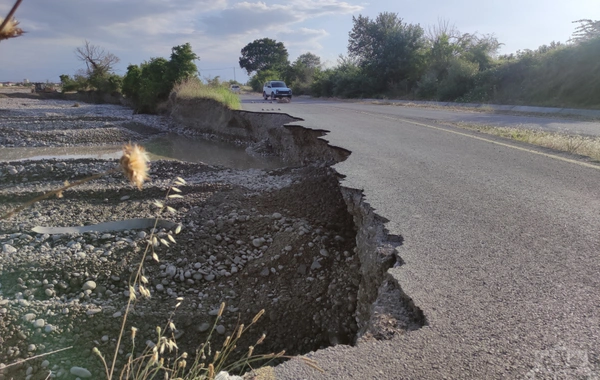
386 58
390 58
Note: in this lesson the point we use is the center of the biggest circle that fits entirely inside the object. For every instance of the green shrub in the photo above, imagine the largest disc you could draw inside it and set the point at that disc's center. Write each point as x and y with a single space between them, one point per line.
77 83
150 83
459 79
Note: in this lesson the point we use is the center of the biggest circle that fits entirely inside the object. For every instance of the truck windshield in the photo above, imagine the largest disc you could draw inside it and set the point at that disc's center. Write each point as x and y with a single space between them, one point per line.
278 84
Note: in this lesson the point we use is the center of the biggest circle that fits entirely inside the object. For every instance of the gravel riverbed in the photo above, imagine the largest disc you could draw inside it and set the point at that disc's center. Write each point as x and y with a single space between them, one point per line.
280 240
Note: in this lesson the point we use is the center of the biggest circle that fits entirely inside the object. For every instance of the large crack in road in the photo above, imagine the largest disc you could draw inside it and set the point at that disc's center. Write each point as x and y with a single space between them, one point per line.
293 241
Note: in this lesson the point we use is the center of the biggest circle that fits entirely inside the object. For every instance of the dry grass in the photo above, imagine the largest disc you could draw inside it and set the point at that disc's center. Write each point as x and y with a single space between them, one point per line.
193 88
134 163
575 144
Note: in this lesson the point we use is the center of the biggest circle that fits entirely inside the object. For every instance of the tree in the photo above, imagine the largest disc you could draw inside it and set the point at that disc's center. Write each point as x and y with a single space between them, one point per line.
587 30
301 73
181 64
96 59
131 82
387 49
309 60
99 75
152 81
263 54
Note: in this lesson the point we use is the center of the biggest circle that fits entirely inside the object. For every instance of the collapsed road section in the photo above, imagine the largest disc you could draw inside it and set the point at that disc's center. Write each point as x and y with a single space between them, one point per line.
290 241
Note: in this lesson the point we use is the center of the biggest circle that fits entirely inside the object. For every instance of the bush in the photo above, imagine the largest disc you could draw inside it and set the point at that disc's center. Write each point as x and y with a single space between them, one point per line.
150 83
459 80
78 83
106 83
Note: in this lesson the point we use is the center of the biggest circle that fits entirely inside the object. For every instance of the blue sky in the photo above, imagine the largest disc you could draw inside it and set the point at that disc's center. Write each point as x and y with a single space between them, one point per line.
136 30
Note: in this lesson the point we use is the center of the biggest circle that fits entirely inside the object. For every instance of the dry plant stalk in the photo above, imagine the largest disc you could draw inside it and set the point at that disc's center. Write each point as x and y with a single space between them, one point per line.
8 25
10 30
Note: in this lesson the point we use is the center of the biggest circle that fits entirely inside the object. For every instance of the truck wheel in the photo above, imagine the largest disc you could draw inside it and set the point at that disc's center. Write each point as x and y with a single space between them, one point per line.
265 95
272 96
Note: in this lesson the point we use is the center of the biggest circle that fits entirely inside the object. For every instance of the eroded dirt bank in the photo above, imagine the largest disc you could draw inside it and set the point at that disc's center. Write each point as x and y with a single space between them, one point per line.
291 241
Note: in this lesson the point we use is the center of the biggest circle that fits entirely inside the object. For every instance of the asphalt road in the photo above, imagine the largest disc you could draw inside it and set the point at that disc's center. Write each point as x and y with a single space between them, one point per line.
501 245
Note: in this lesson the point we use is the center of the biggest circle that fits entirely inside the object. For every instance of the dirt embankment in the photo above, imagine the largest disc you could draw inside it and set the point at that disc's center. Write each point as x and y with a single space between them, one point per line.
289 241
266 133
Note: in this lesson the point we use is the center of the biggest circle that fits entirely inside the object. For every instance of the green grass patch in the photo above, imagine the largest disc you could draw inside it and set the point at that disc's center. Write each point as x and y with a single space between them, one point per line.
576 144
192 89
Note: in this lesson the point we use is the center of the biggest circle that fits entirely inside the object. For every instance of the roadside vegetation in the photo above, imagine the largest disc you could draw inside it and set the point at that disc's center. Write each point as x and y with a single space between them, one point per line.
194 88
575 144
390 58
147 86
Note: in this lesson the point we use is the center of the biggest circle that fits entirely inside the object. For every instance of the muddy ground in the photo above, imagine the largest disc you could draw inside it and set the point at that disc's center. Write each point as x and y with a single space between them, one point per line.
280 240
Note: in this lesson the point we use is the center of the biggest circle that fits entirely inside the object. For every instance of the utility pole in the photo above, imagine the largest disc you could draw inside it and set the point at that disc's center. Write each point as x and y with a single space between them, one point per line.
234 74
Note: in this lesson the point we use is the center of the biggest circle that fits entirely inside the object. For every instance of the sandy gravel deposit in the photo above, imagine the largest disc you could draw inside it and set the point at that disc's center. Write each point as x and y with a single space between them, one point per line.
280 240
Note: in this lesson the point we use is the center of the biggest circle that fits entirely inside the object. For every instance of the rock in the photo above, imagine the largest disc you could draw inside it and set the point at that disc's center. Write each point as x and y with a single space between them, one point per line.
89 285
301 269
93 311
204 327
209 277
220 329
31 348
171 270
29 317
160 287
80 372
258 242
265 272
39 323
276 216
324 252
125 197
7 248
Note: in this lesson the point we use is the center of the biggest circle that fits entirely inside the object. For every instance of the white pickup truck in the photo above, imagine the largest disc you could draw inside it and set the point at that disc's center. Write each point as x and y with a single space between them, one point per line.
276 89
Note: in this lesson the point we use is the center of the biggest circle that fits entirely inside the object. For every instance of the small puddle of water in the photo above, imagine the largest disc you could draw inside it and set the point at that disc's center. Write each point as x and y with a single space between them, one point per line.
166 147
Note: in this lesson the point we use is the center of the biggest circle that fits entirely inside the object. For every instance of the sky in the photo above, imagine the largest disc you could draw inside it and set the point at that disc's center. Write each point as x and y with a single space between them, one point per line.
137 30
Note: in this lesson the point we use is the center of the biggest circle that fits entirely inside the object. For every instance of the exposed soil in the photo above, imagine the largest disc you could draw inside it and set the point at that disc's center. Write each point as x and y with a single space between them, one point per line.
278 240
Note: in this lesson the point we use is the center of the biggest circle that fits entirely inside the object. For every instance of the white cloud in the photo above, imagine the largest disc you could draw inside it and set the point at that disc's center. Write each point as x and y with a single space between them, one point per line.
248 17
137 30
302 40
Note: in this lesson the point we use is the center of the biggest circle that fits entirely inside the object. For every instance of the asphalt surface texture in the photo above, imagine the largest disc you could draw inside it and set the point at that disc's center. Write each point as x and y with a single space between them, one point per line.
501 244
